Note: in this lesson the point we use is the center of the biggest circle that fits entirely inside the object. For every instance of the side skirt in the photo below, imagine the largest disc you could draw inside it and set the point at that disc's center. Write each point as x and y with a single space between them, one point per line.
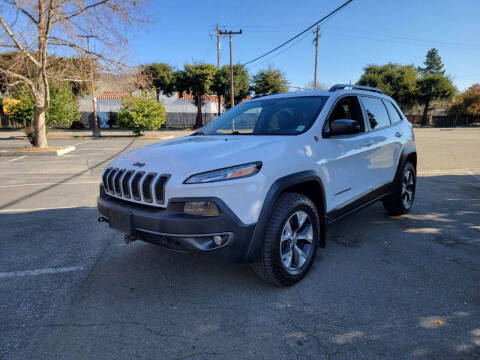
371 197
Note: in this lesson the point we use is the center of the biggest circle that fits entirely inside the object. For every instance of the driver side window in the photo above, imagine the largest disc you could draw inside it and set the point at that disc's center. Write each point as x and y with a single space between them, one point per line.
347 108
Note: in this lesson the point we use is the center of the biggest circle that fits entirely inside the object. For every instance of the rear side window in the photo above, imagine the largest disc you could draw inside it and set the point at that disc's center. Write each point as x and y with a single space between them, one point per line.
376 112
392 110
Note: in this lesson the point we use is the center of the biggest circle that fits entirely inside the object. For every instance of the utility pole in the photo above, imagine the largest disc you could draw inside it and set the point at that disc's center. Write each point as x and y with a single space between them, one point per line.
96 132
218 68
218 47
317 35
232 90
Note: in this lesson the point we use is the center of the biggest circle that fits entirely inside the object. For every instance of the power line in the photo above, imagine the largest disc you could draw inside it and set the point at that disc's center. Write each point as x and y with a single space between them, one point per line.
281 51
301 33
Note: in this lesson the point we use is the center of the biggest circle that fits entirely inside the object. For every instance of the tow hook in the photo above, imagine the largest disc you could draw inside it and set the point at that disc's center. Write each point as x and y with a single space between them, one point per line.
102 219
129 238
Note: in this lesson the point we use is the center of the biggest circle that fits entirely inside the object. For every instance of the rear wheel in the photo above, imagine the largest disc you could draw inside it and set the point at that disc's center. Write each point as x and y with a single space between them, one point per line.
291 240
403 194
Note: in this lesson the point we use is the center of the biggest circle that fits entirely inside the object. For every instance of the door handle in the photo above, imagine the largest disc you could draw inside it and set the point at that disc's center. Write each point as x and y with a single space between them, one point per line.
398 134
369 142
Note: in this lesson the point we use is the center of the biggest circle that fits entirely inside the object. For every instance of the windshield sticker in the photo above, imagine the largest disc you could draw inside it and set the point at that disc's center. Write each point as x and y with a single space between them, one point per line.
300 128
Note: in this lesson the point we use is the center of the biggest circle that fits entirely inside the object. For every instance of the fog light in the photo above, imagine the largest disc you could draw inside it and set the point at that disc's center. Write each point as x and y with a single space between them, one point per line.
218 240
201 208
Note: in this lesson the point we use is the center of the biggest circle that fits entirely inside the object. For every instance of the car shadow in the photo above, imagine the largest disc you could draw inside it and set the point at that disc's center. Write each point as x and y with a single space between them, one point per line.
395 287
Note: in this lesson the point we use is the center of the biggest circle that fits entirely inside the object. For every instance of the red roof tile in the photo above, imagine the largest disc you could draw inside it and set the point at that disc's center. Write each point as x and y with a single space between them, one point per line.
112 95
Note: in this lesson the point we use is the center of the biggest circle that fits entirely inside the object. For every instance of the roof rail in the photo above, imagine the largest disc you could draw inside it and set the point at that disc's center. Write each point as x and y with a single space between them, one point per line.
262 95
354 87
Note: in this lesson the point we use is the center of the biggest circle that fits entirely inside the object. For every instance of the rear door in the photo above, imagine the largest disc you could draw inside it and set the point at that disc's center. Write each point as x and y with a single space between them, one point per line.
382 160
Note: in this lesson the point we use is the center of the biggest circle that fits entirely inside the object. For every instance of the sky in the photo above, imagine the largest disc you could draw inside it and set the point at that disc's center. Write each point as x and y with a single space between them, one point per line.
365 32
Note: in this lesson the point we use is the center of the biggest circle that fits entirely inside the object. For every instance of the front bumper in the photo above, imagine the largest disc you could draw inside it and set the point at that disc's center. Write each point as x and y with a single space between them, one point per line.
171 228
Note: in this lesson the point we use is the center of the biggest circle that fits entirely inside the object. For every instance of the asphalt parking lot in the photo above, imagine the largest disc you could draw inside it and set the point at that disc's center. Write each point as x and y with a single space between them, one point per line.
384 288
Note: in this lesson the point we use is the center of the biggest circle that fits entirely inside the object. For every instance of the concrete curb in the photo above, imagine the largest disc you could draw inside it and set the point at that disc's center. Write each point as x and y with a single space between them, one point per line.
58 152
104 137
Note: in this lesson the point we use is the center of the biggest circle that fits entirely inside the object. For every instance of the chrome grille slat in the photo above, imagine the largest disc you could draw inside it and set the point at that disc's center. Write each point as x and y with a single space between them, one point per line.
105 177
126 184
136 186
160 188
112 173
116 181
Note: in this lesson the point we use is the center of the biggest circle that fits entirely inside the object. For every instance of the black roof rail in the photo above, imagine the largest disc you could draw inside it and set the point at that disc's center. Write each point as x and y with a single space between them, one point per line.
262 95
354 87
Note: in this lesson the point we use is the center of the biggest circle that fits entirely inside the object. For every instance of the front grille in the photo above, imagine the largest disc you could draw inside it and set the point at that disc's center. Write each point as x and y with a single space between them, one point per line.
134 185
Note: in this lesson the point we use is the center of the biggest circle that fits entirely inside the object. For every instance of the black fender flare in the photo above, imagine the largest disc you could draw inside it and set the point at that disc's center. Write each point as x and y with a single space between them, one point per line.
273 193
406 152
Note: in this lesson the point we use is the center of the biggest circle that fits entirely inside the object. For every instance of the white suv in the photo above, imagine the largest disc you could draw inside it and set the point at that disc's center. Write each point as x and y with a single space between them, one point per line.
261 183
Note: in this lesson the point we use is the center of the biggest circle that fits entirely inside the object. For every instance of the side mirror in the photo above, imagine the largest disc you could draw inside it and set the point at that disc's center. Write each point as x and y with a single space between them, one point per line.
343 127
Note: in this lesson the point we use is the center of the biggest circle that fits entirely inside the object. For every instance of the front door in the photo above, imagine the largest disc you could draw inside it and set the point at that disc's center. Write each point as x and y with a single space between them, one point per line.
345 159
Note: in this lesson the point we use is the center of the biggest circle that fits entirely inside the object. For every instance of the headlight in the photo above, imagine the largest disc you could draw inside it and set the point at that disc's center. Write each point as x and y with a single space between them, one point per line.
201 208
230 173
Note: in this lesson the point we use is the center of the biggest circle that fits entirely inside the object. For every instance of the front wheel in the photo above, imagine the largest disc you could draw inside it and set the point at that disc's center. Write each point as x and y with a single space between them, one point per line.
291 240
403 192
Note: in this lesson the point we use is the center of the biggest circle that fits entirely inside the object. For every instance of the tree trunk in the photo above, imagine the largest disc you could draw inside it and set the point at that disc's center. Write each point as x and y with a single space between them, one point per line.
425 113
40 139
198 121
219 104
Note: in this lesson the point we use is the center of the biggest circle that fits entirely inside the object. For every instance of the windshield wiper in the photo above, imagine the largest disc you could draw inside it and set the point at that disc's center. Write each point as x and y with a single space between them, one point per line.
235 132
199 133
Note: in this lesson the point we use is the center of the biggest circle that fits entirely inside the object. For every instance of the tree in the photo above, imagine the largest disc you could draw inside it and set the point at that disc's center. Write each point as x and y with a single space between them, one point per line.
63 109
140 113
433 63
269 81
433 83
196 79
35 28
221 84
395 80
162 77
467 103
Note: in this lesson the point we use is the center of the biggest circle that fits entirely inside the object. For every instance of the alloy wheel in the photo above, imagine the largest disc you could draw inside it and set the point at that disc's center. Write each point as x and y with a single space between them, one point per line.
296 241
408 189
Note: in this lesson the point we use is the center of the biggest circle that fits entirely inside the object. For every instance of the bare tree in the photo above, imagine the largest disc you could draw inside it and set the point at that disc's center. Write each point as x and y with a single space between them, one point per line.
35 29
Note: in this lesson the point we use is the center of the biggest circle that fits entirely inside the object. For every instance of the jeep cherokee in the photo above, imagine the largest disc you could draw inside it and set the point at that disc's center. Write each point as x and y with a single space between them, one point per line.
261 183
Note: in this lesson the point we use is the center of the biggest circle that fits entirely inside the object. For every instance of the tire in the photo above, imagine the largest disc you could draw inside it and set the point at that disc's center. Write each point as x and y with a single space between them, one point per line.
282 239
403 194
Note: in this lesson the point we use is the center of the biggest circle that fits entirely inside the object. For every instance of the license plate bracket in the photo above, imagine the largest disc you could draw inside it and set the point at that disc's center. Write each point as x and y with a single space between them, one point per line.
123 221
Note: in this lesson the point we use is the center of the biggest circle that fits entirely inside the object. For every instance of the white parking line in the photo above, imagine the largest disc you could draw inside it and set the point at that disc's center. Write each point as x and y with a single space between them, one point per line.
475 175
82 142
450 172
36 272
15 211
99 149
11 160
53 183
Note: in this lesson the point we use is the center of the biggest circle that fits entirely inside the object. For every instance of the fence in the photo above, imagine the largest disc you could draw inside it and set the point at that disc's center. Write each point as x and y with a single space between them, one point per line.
443 120
174 119
187 120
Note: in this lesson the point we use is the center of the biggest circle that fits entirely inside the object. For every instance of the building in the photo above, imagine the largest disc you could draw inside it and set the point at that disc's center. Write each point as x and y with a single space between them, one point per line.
181 110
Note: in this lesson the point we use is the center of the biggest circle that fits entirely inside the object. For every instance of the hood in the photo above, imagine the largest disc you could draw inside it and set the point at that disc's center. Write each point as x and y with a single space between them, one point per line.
192 154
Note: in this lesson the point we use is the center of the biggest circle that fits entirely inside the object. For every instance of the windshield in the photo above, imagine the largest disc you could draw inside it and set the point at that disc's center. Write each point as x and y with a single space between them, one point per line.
281 116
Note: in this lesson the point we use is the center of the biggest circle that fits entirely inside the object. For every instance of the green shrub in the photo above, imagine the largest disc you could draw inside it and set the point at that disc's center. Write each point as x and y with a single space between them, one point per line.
140 113
63 109
22 111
